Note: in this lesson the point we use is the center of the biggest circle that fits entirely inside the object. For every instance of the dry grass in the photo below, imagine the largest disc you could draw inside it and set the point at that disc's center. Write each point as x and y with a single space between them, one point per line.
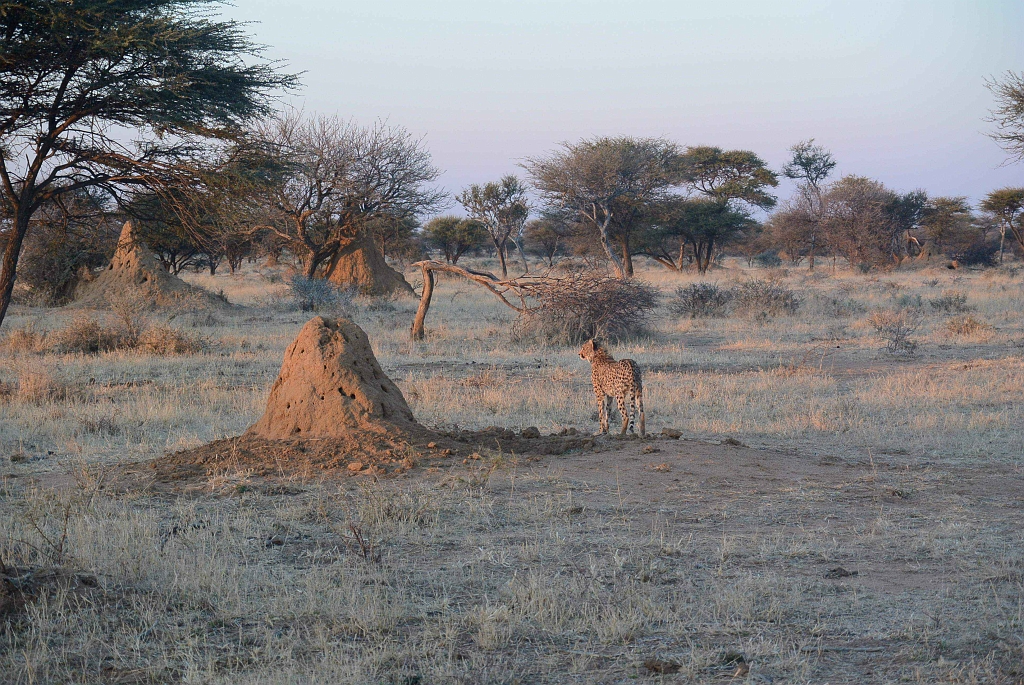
503 572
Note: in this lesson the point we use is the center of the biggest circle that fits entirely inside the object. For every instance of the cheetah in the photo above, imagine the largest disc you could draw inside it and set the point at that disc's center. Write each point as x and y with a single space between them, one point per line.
615 379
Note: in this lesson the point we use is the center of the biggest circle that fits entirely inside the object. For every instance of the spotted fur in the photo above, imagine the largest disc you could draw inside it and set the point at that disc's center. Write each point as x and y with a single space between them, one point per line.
620 380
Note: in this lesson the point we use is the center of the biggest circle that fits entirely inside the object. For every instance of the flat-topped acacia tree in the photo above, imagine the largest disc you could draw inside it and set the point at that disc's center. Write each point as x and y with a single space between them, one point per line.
114 93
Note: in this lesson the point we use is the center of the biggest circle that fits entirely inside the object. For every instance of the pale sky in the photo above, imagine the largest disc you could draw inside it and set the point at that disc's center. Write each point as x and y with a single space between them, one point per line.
895 89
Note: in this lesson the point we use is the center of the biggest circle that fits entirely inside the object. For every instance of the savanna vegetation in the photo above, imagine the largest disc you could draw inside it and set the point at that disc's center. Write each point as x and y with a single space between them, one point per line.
830 490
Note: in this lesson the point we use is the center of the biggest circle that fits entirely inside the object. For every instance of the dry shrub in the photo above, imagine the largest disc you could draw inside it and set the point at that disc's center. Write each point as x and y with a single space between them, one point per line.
764 299
699 300
84 334
130 306
580 306
951 302
319 294
24 340
966 325
37 384
895 328
161 339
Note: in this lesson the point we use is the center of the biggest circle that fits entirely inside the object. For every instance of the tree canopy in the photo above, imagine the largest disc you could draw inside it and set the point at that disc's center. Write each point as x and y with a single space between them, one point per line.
109 93
1007 205
501 207
601 180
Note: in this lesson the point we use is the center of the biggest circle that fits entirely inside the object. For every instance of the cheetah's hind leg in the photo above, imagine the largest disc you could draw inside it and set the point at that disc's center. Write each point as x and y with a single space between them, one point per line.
640 403
603 409
626 416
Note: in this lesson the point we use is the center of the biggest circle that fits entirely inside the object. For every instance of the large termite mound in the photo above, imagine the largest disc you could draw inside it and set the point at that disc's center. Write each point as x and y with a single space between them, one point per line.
331 386
332 408
360 264
135 271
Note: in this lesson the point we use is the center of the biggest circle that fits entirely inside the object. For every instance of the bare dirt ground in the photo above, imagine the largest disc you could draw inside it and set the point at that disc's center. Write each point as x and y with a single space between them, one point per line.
871 532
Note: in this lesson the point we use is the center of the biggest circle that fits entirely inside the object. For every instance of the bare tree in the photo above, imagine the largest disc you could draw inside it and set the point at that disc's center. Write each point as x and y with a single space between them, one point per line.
503 209
335 178
607 183
857 220
1008 115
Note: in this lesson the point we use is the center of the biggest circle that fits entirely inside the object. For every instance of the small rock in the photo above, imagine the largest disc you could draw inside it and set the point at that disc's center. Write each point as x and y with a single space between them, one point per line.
355 466
650 449
531 432
672 433
839 572
733 441
275 541
431 445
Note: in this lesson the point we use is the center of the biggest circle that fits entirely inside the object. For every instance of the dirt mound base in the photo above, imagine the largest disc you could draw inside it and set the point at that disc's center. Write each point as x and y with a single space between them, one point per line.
376 455
256 456
135 271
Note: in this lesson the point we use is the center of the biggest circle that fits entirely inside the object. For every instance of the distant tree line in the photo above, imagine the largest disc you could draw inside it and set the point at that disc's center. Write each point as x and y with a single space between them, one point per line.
160 114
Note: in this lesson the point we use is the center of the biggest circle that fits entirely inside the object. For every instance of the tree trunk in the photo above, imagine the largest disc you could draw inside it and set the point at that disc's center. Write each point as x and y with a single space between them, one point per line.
810 255
620 271
522 255
704 261
309 264
627 257
360 264
9 264
421 311
500 247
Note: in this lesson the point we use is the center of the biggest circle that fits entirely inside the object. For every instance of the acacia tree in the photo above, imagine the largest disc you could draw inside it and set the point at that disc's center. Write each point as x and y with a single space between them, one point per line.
810 165
1007 206
608 184
700 223
208 216
726 183
502 208
454 236
949 223
546 236
334 179
109 93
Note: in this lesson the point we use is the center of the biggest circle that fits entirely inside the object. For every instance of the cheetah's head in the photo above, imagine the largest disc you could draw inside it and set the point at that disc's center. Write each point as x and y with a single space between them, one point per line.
588 350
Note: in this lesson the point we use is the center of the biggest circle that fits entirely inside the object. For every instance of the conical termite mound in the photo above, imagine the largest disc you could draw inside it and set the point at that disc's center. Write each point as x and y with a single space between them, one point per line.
332 408
331 386
134 271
